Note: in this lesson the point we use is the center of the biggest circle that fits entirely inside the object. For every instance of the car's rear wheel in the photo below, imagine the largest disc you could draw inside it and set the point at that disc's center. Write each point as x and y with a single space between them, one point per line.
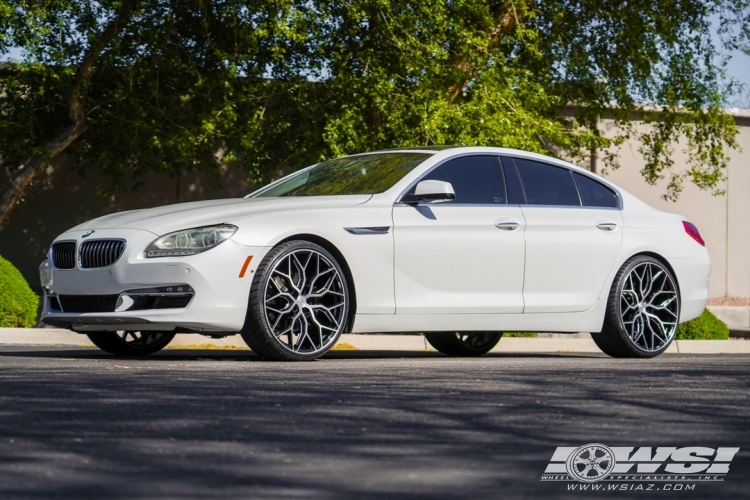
299 303
643 310
131 343
463 343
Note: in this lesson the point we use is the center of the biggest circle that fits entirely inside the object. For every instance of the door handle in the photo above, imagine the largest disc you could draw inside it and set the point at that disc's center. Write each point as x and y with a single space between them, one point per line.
606 226
507 226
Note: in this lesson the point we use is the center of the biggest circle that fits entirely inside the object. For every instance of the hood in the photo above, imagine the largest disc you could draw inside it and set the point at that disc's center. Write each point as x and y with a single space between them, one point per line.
162 220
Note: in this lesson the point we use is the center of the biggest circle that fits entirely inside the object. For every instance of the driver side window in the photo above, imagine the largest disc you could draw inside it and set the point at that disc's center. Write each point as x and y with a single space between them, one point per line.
477 180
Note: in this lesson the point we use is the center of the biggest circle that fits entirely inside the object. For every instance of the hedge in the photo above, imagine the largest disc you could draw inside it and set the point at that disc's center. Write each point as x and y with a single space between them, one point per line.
704 327
18 303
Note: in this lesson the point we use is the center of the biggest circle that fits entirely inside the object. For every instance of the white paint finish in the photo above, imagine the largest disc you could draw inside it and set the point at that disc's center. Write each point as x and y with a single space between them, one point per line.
455 271
368 256
220 301
568 258
692 277
586 321
453 259
163 220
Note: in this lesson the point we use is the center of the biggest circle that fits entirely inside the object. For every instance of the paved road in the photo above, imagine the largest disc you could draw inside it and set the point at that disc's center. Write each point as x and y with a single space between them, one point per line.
356 425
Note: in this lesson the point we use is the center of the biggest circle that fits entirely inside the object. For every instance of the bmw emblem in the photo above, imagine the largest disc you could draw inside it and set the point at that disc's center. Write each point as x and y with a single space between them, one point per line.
87 233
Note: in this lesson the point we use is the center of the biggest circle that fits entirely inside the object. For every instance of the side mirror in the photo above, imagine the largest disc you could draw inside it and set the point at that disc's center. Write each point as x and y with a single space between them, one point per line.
435 192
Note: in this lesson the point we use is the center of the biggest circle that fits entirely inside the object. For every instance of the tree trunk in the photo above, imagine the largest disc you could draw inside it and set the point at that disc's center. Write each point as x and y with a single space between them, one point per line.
13 193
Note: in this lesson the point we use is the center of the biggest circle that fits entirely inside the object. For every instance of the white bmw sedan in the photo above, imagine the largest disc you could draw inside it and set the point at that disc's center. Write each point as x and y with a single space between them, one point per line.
459 243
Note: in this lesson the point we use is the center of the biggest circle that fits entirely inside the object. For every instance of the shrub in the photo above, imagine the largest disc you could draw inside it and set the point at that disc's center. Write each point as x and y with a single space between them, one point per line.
706 326
18 304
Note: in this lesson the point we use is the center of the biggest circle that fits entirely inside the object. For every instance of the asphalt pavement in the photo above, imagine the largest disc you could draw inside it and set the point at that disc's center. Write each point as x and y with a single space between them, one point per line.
76 423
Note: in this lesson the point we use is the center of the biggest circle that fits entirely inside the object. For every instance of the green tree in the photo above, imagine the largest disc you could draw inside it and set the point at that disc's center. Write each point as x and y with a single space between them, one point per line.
132 86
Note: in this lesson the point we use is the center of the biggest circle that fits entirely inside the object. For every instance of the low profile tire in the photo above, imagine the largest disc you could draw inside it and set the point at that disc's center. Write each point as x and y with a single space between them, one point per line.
463 344
131 343
299 303
642 312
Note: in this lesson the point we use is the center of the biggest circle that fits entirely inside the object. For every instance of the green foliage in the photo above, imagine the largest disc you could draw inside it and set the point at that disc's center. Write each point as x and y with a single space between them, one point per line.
278 85
520 334
18 304
705 327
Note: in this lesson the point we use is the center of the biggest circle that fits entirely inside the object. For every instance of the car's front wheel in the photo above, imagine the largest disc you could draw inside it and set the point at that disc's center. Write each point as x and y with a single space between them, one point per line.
299 303
131 343
463 343
643 310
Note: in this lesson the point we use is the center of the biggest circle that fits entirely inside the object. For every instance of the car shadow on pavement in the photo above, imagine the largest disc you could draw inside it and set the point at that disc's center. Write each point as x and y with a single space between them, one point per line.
172 354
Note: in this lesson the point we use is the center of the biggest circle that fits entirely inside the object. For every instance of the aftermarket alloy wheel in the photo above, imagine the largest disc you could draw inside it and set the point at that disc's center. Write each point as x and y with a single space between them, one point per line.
299 303
643 310
463 343
131 343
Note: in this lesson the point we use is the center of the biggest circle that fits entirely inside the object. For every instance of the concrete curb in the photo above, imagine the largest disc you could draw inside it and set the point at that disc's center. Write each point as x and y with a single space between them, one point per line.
733 316
374 342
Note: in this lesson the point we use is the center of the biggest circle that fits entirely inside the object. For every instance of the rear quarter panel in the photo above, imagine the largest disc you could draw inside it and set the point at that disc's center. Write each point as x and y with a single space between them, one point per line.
650 231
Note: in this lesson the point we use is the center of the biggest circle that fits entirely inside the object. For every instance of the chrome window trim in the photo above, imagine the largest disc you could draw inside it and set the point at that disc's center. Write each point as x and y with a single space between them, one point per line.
78 254
518 205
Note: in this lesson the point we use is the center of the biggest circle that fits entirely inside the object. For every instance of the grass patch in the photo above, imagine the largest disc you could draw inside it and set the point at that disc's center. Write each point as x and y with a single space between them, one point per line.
525 335
704 327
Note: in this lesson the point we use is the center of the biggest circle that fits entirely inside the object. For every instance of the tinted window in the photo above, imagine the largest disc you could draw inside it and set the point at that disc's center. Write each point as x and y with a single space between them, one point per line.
594 194
475 179
365 174
546 184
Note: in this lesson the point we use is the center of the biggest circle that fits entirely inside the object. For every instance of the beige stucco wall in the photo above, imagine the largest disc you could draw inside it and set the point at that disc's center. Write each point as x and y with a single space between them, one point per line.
723 220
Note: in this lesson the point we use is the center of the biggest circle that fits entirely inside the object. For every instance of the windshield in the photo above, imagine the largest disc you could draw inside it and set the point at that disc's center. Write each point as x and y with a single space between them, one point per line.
366 174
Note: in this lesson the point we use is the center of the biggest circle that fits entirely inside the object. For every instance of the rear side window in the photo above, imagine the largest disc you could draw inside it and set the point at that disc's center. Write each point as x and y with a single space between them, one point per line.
593 193
477 180
546 184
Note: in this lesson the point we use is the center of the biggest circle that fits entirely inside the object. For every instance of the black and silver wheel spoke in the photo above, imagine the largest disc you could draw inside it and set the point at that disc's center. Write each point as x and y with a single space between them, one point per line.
649 306
304 301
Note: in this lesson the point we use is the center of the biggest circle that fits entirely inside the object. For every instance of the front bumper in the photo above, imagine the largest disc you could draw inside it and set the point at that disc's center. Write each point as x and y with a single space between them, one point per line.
219 303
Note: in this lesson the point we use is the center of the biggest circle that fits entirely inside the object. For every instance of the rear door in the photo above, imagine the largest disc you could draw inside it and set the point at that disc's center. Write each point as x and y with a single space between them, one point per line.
461 257
573 235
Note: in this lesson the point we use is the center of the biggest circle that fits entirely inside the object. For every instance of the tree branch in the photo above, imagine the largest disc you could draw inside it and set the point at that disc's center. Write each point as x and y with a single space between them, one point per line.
505 22
26 173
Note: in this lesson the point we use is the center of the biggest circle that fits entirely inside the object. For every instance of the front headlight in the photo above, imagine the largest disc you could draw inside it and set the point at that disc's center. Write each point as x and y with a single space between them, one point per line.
190 241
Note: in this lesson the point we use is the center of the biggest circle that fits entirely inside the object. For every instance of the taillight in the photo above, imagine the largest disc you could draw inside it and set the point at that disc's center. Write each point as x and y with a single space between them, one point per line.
693 232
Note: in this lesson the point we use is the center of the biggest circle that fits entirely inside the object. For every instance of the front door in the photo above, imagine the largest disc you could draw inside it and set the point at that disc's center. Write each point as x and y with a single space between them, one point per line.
461 257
